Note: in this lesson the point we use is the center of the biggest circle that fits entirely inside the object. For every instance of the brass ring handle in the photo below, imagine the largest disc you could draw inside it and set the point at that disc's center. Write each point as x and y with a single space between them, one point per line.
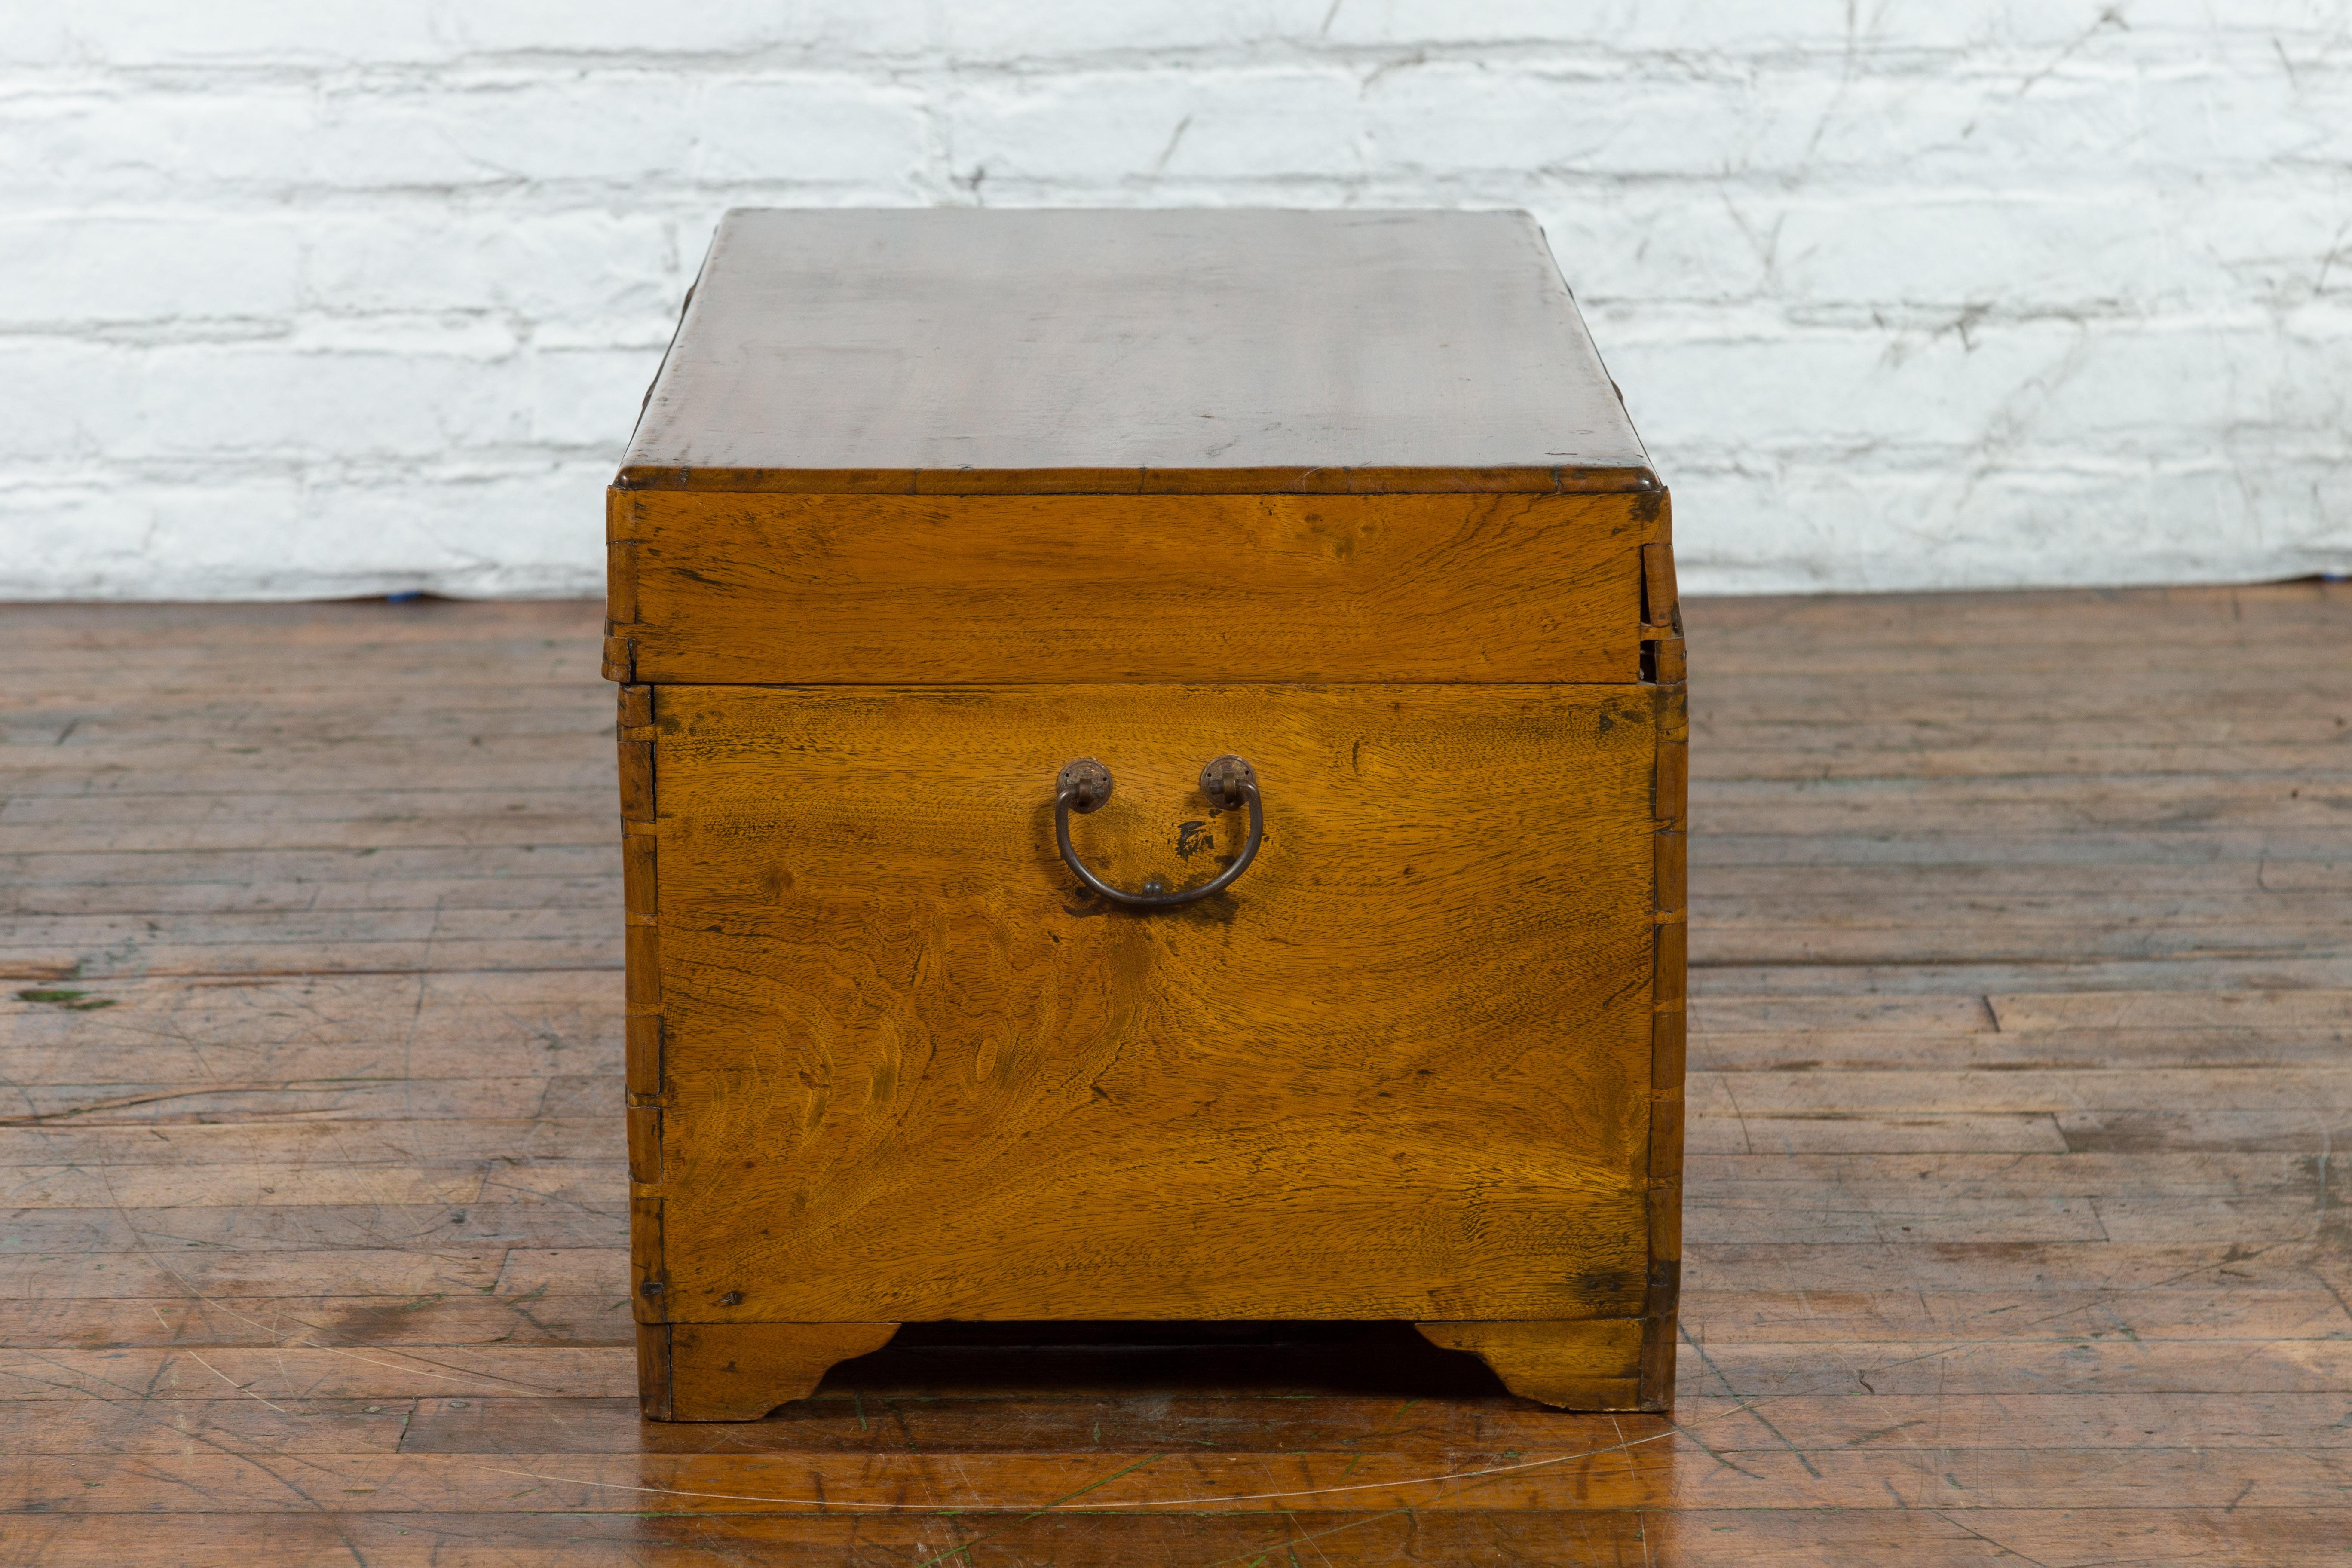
1082 786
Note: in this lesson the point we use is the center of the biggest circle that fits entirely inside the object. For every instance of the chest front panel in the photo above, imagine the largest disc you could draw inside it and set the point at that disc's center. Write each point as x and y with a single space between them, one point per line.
913 1068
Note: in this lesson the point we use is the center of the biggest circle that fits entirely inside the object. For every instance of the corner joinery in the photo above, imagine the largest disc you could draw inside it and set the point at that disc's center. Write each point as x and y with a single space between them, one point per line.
640 875
1664 664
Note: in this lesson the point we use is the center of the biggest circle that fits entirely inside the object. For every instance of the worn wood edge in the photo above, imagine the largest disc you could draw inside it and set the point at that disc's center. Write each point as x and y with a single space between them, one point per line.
1571 1364
620 586
1662 609
653 1371
739 1371
1669 1030
1663 659
642 1073
1302 481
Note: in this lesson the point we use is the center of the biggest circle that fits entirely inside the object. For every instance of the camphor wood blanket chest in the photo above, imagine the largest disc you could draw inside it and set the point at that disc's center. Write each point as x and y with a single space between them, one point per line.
984 586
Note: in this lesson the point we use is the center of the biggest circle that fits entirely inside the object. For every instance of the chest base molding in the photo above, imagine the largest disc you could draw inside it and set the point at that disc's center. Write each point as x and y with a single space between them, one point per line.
740 1372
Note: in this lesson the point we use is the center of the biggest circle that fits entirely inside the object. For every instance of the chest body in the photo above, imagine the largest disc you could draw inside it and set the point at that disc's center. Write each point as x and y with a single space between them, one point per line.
929 510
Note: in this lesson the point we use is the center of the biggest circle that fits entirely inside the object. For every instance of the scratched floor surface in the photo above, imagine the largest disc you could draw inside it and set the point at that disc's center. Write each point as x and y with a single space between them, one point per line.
2022 991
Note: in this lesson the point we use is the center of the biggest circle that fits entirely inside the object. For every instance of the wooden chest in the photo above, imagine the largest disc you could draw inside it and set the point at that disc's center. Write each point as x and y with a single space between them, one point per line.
985 585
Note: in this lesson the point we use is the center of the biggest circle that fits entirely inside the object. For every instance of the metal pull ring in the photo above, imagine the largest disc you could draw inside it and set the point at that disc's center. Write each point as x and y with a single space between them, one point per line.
1082 786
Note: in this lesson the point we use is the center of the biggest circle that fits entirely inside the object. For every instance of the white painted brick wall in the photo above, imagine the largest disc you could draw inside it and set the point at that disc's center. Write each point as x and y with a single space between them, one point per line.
337 297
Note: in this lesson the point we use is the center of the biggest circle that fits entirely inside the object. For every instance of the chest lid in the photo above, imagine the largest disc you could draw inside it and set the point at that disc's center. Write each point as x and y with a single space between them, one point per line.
968 350
963 447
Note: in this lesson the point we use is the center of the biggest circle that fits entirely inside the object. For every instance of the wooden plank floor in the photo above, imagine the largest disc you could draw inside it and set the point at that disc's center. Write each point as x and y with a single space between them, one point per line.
2017 1228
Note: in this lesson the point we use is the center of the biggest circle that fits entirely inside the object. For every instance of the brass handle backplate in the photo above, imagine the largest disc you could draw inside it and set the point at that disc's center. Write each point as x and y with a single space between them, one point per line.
1228 784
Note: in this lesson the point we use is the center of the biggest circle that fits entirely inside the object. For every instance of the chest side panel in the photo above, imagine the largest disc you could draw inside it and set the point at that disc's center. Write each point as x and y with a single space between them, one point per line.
888 590
1401 1070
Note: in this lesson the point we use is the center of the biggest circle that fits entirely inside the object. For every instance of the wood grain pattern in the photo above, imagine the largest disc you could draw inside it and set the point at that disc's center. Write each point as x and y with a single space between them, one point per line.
979 350
884 988
916 590
2167 1387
